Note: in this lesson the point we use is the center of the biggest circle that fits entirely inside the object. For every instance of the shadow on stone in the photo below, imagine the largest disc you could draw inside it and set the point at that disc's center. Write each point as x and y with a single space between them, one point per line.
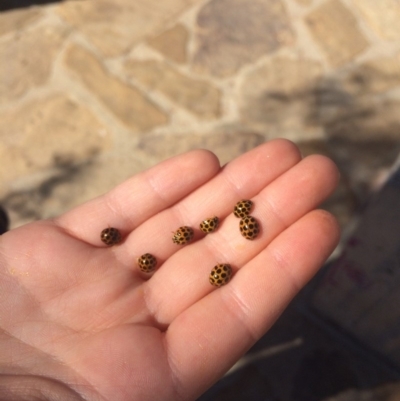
29 203
7 5
351 117
362 128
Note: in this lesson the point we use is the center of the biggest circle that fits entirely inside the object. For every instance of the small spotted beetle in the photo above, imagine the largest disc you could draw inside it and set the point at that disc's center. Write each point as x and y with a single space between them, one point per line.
249 227
147 263
242 208
209 225
221 274
182 235
110 236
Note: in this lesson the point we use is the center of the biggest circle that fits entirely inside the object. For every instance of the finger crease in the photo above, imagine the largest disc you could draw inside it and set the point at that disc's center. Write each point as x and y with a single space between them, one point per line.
282 263
237 307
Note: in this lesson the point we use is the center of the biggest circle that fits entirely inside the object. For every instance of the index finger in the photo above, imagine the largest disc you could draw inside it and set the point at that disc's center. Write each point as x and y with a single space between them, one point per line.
142 196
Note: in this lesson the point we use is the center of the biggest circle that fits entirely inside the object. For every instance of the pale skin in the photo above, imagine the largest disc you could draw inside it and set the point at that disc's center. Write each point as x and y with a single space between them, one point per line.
79 321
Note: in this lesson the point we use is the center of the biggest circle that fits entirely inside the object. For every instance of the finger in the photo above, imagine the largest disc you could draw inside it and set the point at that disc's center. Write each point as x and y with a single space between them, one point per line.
220 328
279 205
144 195
242 178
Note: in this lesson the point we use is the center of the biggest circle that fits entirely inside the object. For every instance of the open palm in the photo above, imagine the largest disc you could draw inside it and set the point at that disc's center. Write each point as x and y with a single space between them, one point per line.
79 320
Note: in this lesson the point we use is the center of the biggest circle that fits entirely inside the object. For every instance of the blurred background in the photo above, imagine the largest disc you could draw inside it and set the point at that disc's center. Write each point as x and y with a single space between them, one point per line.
94 91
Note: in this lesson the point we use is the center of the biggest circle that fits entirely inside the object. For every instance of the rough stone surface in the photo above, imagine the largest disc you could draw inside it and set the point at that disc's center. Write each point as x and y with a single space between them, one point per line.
278 96
362 127
16 20
114 26
24 66
383 16
48 134
364 163
356 115
351 114
305 2
337 32
233 33
69 184
197 96
375 76
172 43
128 104
225 145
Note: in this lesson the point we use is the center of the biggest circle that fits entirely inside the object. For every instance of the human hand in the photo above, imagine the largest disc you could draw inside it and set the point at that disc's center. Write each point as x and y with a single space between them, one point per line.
79 320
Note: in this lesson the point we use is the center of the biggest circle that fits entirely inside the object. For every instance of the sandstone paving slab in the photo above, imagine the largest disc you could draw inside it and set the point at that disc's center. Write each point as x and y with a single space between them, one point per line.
16 20
284 75
45 134
361 124
225 145
114 26
70 184
374 76
281 96
197 96
233 33
172 43
36 197
305 2
357 111
344 116
383 16
336 30
23 66
363 166
127 103
278 97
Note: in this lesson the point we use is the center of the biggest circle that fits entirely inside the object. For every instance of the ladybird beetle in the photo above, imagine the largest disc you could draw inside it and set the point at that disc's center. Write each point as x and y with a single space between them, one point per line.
182 235
242 208
221 274
209 225
110 236
249 227
147 263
